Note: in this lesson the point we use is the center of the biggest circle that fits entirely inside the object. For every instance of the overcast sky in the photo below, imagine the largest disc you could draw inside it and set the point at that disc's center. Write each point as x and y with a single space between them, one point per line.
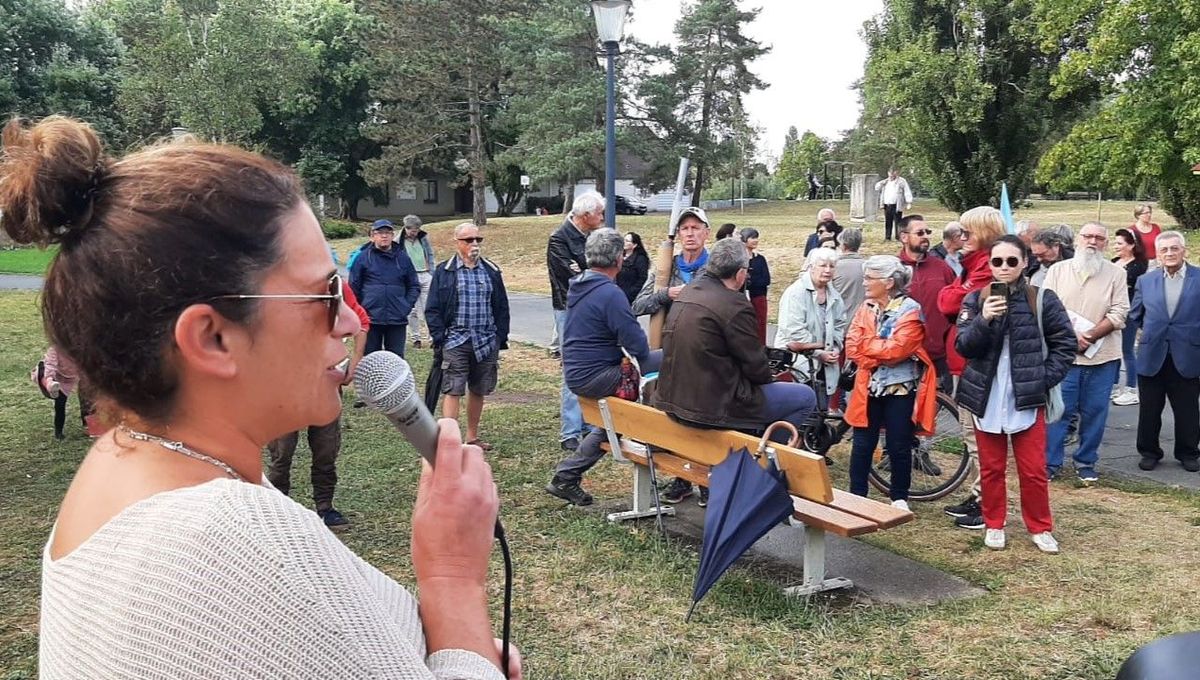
816 55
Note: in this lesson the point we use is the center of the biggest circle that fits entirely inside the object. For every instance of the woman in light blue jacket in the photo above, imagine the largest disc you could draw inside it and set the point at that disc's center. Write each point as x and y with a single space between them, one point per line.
813 321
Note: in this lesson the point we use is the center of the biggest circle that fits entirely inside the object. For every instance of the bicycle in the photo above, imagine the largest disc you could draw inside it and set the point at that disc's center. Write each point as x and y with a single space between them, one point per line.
940 461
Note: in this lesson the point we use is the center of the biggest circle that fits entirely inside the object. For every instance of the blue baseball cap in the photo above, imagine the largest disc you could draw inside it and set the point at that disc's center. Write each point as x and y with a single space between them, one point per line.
382 224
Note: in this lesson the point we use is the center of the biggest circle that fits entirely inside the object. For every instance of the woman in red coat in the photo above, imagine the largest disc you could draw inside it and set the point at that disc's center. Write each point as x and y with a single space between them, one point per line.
981 227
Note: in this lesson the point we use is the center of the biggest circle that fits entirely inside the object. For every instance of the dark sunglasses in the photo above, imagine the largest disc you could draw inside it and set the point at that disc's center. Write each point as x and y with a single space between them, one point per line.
920 232
472 239
1010 261
332 299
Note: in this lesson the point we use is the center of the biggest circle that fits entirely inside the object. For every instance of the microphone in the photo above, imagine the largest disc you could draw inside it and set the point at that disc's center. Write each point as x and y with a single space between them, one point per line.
385 382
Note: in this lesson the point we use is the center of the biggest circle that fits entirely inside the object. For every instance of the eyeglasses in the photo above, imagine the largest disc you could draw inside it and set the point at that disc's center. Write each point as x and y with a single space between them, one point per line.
333 299
920 232
1010 261
471 239
1093 237
966 233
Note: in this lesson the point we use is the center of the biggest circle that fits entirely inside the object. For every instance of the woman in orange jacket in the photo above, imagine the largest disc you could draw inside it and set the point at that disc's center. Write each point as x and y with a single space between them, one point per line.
896 384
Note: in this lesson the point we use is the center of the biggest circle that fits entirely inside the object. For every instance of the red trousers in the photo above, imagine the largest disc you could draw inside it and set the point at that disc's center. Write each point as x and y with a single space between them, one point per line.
760 310
1029 448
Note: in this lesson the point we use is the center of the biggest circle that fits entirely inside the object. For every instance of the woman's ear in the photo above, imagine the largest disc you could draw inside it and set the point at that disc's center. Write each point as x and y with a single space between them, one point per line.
208 342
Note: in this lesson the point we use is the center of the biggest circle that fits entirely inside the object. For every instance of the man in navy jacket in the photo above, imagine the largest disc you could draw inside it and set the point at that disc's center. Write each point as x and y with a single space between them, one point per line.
386 284
598 326
468 319
1166 305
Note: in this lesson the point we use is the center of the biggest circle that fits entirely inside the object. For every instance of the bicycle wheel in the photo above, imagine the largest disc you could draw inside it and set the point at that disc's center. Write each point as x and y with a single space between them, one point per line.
940 461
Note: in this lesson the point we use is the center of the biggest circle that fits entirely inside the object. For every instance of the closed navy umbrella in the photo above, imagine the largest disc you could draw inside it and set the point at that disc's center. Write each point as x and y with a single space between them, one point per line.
433 384
744 501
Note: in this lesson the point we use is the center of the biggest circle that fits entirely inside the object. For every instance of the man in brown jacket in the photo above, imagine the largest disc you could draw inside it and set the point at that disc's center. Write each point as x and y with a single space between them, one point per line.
714 370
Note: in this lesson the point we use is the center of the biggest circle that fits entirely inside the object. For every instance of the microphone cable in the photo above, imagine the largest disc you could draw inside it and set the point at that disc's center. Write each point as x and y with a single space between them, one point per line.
506 627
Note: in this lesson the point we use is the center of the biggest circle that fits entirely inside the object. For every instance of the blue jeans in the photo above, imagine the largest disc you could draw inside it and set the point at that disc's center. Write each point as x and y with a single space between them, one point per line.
572 417
1128 340
895 415
1085 391
792 402
391 338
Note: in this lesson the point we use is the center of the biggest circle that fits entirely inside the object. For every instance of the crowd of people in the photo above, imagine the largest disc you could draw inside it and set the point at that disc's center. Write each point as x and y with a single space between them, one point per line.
232 332
1027 331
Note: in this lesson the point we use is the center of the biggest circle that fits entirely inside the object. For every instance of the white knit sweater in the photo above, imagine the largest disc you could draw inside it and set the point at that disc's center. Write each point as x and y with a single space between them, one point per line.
230 580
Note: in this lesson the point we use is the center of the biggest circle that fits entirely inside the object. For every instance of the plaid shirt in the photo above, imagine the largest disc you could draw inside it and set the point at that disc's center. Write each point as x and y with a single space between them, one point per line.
473 320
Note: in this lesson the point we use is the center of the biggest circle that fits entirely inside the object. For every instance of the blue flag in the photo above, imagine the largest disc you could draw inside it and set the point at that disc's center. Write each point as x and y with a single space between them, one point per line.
1006 209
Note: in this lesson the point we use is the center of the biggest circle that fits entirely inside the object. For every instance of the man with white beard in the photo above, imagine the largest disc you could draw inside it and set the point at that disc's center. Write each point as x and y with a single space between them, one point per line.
1096 297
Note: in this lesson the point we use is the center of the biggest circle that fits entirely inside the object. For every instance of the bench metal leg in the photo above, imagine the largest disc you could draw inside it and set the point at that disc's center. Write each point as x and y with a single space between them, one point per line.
643 498
814 567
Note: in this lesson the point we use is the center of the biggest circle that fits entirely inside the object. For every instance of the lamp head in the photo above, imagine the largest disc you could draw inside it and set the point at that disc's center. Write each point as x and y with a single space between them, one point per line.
610 18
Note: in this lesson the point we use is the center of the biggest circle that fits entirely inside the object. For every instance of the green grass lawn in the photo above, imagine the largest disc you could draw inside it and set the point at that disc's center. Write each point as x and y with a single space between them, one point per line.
593 600
25 260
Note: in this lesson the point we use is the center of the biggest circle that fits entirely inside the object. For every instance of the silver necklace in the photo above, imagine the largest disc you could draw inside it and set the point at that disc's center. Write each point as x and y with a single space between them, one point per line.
181 448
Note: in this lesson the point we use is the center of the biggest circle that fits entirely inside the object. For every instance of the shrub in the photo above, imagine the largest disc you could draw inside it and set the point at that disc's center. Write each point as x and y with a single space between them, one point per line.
552 204
335 228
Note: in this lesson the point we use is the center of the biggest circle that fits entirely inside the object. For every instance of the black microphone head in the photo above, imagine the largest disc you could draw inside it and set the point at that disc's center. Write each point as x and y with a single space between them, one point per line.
384 380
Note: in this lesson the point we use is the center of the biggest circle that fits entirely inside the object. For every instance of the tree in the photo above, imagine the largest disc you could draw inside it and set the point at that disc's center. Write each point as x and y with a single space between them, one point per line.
212 66
440 81
807 154
555 104
1143 57
54 60
966 87
320 127
694 107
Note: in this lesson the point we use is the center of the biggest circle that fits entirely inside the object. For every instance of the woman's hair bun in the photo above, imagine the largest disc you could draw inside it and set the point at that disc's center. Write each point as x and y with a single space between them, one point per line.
50 175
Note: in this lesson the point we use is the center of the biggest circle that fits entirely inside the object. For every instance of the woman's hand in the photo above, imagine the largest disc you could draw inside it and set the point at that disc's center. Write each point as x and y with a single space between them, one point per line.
993 307
455 513
515 671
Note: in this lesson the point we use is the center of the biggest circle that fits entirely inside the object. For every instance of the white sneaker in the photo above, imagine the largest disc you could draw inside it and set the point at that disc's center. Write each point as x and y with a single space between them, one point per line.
1046 543
1127 398
1117 390
901 505
994 539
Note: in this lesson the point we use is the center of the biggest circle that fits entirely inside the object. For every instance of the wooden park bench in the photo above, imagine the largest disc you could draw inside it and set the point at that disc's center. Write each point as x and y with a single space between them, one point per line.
689 452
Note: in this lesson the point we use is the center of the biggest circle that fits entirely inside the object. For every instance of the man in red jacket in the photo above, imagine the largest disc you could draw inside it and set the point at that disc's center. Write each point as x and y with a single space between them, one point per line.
930 276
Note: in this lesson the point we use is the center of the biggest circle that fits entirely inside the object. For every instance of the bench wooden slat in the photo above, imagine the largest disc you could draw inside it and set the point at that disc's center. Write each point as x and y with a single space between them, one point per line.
813 514
831 519
882 514
807 474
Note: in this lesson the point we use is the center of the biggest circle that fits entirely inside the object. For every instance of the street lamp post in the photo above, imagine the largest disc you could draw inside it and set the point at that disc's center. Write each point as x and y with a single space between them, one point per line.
610 25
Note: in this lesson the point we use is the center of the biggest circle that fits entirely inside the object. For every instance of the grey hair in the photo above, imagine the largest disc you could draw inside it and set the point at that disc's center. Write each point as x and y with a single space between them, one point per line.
748 233
1168 235
818 255
952 230
411 221
850 239
889 267
1022 226
832 214
603 248
587 203
1064 232
459 229
1049 239
726 258
1090 223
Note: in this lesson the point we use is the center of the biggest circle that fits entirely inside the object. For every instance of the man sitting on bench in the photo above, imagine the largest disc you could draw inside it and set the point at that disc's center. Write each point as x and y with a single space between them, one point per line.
599 323
714 369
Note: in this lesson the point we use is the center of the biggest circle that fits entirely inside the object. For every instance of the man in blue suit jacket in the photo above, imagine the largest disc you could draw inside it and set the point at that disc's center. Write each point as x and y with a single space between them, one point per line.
1166 305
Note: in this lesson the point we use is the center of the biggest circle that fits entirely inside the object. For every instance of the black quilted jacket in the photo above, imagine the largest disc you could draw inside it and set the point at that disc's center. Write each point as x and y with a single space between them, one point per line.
980 342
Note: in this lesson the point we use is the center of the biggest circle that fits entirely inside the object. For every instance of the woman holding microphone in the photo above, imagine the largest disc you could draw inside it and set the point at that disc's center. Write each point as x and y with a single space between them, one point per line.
1013 360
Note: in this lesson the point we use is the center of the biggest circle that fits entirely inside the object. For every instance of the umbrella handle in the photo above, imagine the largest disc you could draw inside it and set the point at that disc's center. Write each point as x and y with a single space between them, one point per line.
762 443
